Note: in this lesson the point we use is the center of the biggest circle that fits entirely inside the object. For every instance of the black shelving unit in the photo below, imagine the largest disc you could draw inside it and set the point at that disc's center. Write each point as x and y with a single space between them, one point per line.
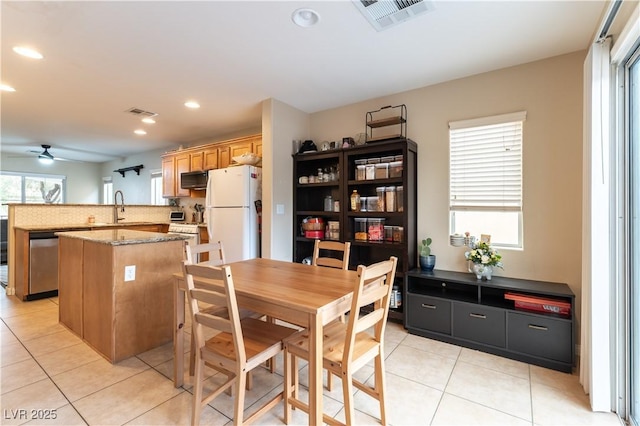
309 201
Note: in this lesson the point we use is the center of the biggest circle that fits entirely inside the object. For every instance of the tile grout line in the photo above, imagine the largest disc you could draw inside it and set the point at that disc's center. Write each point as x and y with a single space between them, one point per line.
46 374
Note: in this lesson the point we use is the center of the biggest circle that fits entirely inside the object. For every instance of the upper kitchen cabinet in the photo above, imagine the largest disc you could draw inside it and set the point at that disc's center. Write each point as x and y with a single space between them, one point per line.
210 158
172 167
227 151
197 161
201 158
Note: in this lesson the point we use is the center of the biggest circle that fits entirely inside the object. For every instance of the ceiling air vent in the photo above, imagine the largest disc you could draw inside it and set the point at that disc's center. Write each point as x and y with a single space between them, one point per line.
383 14
140 112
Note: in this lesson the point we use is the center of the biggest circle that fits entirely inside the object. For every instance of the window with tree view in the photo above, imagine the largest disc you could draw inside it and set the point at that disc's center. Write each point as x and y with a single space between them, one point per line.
485 178
30 188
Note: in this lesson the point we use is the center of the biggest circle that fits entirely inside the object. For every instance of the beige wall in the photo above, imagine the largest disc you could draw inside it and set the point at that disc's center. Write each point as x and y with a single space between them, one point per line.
281 124
550 91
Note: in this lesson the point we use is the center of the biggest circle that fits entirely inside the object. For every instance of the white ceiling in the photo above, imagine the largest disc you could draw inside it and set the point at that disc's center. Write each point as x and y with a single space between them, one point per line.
104 57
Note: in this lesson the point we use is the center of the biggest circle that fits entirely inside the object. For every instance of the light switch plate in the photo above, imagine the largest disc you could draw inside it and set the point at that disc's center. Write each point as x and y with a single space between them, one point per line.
279 208
130 273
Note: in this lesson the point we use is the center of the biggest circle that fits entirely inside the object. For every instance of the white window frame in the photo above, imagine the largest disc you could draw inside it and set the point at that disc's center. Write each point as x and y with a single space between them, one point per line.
156 188
23 194
107 190
486 168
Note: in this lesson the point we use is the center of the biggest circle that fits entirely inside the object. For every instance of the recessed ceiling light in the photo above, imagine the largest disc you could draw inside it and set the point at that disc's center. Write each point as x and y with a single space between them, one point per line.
149 120
192 104
305 17
29 53
139 132
6 88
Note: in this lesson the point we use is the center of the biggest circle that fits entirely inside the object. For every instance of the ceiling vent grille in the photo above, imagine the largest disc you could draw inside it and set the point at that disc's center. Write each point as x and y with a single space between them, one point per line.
383 14
140 112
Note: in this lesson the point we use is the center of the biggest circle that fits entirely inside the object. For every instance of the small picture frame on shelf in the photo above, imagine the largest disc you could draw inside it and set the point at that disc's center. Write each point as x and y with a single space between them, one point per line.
485 238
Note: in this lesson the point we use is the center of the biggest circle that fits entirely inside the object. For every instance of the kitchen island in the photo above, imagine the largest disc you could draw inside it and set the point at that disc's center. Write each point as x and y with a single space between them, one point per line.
116 288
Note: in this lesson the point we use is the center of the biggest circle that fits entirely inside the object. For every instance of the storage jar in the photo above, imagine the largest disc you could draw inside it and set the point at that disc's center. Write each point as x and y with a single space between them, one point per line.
398 234
375 227
370 172
390 198
395 169
388 233
360 229
380 194
382 171
399 199
361 172
372 204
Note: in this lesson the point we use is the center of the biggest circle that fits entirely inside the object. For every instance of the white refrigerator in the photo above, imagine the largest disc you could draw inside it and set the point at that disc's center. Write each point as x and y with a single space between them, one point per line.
231 213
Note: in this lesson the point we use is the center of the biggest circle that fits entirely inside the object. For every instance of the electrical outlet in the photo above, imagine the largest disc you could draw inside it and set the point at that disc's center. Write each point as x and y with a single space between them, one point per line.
130 273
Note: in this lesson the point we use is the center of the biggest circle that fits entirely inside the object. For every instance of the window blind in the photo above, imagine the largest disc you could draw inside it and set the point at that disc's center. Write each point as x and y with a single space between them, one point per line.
486 164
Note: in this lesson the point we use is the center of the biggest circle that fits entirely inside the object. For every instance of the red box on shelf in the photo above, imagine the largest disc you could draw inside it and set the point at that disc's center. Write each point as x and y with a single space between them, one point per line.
539 304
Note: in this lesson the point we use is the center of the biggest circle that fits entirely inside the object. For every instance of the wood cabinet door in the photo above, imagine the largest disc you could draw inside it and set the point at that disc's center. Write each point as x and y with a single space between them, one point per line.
197 161
210 159
183 165
224 156
168 177
257 147
240 148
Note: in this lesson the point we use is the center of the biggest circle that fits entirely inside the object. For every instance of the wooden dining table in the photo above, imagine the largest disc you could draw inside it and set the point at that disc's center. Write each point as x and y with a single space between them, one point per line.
307 296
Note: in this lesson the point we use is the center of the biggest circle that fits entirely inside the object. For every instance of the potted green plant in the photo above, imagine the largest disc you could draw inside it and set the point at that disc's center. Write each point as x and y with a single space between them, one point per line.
427 260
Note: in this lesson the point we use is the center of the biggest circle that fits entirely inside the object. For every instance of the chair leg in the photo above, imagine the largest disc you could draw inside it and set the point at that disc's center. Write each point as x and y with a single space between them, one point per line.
296 377
192 355
197 393
239 399
271 363
329 381
288 375
347 393
380 386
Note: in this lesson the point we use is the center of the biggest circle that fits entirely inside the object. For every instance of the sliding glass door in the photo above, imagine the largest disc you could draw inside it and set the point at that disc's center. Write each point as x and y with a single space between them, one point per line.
633 120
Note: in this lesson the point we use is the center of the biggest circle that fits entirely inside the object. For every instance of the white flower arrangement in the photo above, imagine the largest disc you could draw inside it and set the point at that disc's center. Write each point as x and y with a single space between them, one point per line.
484 254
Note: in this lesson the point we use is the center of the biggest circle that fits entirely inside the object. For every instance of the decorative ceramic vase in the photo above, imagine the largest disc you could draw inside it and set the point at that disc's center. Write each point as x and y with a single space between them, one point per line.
482 271
427 263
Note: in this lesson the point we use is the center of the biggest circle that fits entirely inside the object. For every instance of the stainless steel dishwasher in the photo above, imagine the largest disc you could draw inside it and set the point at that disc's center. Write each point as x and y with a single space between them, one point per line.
43 265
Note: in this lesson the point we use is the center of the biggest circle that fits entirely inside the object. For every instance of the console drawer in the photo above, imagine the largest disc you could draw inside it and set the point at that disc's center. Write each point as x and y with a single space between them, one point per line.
543 337
479 323
428 313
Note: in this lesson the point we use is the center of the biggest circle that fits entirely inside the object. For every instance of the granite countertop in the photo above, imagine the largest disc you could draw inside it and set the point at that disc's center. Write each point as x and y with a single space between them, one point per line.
83 226
95 225
117 237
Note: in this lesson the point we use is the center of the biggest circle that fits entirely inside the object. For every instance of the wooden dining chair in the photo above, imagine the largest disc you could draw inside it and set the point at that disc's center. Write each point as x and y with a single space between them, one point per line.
240 345
342 262
333 247
216 257
348 347
214 250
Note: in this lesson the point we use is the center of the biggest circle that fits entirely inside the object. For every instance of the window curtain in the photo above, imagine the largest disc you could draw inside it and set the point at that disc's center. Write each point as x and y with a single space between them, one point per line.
596 337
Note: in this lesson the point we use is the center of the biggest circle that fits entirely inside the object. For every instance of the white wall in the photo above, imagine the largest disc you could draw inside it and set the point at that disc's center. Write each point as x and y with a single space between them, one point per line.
82 178
136 189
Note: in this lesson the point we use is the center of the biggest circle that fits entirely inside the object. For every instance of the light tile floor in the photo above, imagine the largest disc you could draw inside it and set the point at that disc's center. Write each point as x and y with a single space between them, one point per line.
46 371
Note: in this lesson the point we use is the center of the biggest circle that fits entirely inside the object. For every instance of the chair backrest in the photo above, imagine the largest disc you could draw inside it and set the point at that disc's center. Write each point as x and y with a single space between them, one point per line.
215 250
214 285
333 246
373 285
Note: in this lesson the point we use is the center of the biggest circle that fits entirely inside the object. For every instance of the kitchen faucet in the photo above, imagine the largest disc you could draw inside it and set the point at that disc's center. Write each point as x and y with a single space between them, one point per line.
116 216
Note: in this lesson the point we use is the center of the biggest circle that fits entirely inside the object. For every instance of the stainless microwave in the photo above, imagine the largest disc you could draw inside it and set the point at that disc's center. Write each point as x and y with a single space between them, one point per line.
193 180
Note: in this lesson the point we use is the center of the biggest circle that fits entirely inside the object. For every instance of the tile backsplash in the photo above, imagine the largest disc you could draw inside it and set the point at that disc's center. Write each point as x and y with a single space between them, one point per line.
73 214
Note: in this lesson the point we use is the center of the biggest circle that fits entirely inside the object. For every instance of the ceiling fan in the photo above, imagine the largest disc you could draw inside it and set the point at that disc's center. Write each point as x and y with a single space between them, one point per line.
45 157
